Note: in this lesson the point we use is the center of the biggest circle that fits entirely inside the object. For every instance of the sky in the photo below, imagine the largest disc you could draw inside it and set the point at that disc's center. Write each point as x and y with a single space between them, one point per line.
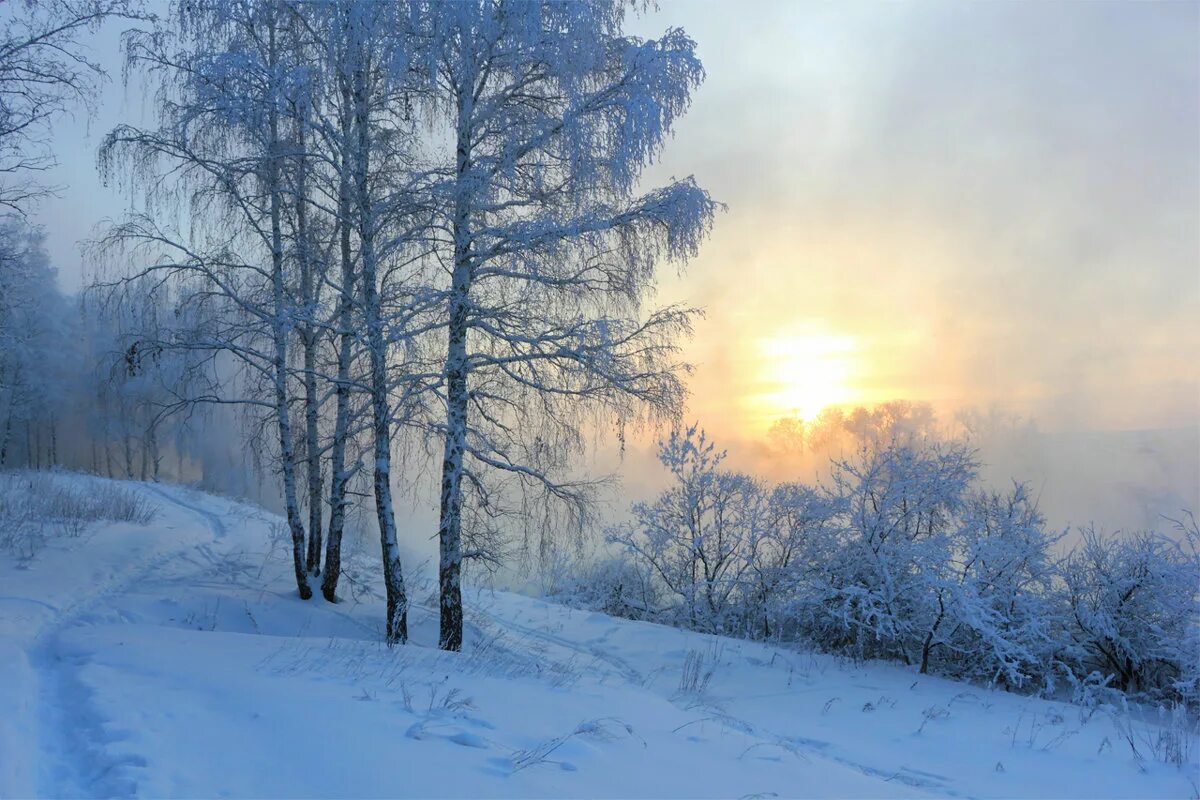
971 205
966 204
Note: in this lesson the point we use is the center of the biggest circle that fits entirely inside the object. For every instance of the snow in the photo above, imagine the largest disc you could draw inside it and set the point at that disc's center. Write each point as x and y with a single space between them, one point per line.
175 659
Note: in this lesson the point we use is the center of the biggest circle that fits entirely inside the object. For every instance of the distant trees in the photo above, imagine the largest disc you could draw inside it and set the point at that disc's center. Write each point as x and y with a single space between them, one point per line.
34 347
73 388
901 554
82 383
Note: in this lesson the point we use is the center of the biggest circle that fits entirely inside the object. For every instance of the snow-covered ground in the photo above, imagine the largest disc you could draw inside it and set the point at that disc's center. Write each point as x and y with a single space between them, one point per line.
175 659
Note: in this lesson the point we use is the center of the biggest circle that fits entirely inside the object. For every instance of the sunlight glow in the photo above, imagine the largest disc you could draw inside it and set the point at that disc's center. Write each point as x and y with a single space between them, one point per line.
804 373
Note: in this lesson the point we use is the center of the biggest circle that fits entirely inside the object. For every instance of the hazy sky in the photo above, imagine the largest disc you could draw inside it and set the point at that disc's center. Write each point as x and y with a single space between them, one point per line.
969 204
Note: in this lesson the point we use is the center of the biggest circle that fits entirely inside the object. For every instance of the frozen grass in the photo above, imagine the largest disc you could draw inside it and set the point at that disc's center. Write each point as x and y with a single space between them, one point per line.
1172 740
38 506
697 671
606 729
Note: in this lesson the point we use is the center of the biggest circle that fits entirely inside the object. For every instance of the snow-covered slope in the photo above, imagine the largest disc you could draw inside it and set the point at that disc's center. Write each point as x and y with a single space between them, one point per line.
175 660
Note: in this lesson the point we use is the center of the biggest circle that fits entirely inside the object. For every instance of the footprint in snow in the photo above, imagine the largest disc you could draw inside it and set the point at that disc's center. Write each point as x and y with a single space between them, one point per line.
467 739
420 731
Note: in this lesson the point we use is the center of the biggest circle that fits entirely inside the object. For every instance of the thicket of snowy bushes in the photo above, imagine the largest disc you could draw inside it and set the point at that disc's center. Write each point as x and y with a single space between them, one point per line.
38 506
901 553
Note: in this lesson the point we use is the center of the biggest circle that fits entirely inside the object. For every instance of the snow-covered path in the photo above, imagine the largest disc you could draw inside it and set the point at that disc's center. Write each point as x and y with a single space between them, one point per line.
175 660
54 743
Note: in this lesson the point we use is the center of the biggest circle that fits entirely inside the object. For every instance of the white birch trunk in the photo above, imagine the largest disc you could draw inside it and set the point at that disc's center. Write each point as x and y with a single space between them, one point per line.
450 523
279 331
393 575
340 476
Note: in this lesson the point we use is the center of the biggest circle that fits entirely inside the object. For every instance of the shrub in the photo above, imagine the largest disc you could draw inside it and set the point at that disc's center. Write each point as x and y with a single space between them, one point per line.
38 506
1133 612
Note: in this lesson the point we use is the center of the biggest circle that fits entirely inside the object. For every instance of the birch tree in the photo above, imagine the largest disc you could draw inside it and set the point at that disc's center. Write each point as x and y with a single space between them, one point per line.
369 135
551 113
227 71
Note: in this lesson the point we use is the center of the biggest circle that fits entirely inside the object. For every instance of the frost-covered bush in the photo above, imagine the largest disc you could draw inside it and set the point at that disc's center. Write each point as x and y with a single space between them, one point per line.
37 506
613 583
699 535
1133 611
888 580
784 560
1002 578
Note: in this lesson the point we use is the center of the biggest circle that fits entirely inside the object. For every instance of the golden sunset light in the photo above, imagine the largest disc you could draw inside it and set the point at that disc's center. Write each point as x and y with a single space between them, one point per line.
805 372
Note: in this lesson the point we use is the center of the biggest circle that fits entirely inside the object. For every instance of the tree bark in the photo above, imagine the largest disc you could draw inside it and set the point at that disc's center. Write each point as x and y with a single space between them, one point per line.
340 477
308 339
393 574
4 440
153 449
279 330
450 521
127 443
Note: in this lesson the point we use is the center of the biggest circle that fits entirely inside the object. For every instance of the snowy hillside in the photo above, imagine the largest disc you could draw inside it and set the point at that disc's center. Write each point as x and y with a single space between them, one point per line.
175 659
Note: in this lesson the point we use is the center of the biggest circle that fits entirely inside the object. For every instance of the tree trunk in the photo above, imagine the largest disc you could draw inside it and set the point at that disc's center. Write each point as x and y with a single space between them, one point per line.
152 449
311 404
144 473
279 329
5 439
393 575
127 444
450 521
928 645
308 337
337 454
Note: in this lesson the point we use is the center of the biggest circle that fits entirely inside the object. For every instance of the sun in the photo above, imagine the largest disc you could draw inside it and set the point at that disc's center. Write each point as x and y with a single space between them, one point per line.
805 372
